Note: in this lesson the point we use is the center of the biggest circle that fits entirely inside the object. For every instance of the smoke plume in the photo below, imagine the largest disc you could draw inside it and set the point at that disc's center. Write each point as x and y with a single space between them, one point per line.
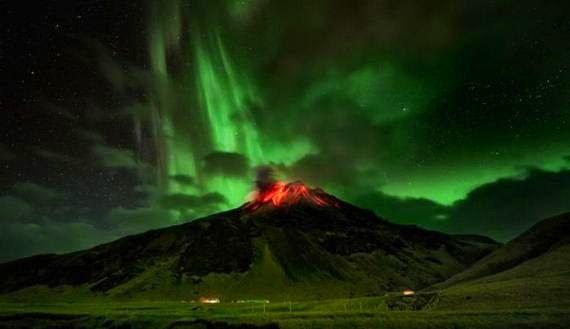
264 177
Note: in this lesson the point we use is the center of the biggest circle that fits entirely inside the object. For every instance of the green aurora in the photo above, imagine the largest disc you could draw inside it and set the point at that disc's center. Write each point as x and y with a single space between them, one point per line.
203 106
215 99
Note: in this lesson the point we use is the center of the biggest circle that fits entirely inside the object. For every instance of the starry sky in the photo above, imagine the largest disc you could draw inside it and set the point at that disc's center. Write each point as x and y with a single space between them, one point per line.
121 116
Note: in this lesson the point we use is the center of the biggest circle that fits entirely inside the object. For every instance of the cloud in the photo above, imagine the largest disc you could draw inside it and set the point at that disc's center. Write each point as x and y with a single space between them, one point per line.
114 157
35 194
183 179
185 202
411 115
188 206
168 210
131 221
13 209
22 239
507 207
213 198
325 170
35 220
501 209
423 212
226 164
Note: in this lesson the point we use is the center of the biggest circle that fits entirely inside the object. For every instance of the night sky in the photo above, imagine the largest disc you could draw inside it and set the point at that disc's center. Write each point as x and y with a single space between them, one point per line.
121 116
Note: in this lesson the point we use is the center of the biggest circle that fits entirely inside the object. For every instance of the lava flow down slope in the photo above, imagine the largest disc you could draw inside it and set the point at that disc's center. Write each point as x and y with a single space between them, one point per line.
290 241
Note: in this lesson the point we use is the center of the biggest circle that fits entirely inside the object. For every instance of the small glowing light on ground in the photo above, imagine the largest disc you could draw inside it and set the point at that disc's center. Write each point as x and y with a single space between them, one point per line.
408 292
209 300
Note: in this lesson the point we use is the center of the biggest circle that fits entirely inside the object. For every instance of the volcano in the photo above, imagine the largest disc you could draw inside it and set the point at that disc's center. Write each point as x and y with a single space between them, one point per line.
290 242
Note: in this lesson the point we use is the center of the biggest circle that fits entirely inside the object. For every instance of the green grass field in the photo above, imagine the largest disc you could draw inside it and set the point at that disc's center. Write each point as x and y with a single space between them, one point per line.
370 312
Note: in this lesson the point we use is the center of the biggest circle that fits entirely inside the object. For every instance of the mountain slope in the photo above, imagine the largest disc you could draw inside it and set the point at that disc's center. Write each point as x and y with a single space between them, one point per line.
290 242
543 237
533 269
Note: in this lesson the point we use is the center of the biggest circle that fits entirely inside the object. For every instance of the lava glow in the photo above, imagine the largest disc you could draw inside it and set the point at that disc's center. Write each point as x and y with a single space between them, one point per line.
282 193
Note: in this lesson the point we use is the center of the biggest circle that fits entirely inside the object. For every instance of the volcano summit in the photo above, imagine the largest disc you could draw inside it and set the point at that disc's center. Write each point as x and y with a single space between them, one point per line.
290 242
286 194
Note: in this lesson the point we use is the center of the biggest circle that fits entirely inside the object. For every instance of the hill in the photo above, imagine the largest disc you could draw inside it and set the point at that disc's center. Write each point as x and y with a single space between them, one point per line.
533 269
291 242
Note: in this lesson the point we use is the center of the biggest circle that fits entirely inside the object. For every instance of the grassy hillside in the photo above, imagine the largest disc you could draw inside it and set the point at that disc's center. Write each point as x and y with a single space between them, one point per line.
540 282
538 240
532 271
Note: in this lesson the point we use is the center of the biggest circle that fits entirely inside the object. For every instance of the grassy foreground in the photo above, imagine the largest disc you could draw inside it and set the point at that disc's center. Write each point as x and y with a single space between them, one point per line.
340 313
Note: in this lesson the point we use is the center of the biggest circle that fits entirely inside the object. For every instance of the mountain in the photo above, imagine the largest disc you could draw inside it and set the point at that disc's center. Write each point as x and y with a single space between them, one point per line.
533 269
290 242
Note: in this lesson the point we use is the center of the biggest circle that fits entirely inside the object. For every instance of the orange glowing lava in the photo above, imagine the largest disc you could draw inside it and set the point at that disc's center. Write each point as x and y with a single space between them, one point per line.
281 193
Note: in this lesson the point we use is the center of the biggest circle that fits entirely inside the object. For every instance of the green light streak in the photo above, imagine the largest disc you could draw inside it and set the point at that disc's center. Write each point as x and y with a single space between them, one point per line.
226 96
226 99
200 107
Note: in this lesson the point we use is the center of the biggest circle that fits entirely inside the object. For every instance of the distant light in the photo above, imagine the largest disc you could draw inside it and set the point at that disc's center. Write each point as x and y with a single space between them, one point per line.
209 300
408 292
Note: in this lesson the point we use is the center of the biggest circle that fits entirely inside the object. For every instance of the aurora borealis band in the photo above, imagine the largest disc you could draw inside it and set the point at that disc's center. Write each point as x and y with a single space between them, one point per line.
119 118
225 95
203 107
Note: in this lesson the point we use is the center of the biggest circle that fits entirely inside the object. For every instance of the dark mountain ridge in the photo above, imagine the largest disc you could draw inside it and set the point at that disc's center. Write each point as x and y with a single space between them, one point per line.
291 240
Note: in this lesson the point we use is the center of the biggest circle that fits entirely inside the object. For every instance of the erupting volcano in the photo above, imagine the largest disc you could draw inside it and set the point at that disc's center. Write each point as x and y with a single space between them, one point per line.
281 193
290 242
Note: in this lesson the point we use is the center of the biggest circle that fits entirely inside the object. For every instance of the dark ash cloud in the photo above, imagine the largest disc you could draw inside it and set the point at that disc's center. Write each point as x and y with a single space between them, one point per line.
265 177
